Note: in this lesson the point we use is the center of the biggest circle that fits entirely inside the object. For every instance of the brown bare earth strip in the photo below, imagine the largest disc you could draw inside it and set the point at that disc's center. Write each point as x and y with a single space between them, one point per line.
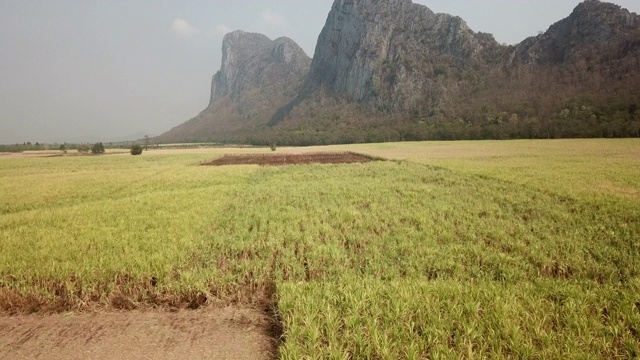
291 159
139 322
222 333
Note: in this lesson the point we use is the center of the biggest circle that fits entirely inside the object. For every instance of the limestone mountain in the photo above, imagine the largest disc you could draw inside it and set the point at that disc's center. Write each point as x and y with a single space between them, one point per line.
394 56
394 70
389 70
257 76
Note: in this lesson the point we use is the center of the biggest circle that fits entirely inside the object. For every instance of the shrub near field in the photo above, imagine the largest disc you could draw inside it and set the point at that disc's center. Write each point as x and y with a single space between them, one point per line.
378 260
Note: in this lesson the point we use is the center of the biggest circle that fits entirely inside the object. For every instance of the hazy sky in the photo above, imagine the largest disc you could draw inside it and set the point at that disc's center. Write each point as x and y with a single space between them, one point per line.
104 70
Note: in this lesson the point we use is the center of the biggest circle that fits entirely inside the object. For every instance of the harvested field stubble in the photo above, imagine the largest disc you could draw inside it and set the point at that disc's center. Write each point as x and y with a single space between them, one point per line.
292 159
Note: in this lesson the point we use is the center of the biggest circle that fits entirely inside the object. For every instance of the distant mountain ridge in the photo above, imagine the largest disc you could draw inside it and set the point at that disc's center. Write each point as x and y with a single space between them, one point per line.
393 70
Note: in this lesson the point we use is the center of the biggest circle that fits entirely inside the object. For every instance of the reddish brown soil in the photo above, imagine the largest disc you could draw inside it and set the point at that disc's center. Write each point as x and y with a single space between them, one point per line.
228 333
291 159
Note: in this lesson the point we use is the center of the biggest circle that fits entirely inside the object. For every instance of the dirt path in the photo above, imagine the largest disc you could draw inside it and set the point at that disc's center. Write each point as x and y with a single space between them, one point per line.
227 333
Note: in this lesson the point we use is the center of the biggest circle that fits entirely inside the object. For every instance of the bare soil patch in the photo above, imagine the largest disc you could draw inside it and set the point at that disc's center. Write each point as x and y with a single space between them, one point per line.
291 159
223 333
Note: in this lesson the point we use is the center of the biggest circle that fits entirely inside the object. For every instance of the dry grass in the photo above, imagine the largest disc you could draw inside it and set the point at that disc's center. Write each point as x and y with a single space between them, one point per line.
464 249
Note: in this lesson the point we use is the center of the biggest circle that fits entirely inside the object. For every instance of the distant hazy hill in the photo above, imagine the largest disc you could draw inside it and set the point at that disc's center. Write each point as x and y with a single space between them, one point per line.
394 70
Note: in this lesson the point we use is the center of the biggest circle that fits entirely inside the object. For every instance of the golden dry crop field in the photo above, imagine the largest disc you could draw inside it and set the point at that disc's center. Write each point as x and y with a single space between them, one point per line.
488 249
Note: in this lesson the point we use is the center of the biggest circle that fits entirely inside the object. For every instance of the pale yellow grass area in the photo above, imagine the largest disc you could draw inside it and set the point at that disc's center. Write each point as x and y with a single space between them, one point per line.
592 167
602 166
479 249
53 153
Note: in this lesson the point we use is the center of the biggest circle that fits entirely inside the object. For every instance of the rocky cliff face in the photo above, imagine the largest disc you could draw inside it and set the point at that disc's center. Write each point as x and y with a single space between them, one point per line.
257 75
241 52
251 60
393 55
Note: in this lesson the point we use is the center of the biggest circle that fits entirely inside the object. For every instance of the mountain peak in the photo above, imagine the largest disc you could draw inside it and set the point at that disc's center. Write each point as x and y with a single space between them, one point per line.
593 24
383 53
593 4
244 54
591 10
239 36
257 75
